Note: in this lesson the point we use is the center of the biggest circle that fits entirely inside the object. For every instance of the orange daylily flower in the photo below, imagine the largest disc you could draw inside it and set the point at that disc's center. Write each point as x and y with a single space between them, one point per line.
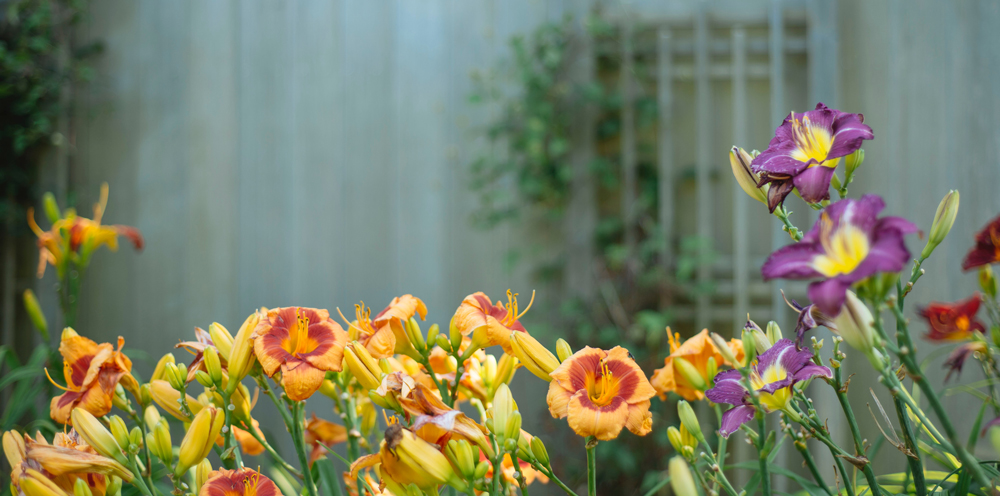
249 444
384 336
696 351
437 423
78 236
64 461
601 392
241 482
91 371
319 433
304 343
490 324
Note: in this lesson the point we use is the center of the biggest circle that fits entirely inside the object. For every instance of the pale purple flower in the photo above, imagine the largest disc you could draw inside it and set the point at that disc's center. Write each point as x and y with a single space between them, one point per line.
806 149
773 376
846 245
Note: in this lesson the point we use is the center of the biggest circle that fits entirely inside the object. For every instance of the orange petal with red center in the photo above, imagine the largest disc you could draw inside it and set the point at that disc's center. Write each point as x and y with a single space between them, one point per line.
603 422
572 373
300 379
330 340
633 386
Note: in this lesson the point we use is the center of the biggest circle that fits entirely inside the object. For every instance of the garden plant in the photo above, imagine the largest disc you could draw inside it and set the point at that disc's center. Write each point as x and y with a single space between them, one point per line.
398 385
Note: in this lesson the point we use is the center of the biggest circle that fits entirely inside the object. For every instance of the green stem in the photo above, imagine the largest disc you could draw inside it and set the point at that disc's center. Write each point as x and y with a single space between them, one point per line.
811 464
765 476
271 451
790 228
233 457
552 476
137 480
298 440
859 446
909 438
521 483
591 466
351 422
917 375
430 371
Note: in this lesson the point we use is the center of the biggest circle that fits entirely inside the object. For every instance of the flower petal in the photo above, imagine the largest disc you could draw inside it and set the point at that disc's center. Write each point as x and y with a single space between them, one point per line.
300 379
728 388
814 183
791 262
603 422
829 295
640 419
733 418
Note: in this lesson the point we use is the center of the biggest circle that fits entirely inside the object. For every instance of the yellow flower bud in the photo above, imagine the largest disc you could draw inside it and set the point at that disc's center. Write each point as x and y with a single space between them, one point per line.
854 324
740 160
328 389
119 430
160 370
35 314
80 488
773 332
96 435
418 462
201 474
513 430
241 357
944 218
200 438
13 447
459 453
689 420
690 373
415 335
35 483
222 339
145 394
168 399
481 469
563 350
165 450
114 487
535 357
362 365
213 365
442 341
503 407
506 366
680 477
432 334
723 348
173 376
135 437
203 378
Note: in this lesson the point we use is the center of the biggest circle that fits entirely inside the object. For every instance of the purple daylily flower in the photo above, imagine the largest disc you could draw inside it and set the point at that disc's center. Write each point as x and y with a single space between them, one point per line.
846 245
805 150
772 376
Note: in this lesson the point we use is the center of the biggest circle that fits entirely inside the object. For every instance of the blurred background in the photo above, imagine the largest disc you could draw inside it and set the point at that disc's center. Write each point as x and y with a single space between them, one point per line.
321 153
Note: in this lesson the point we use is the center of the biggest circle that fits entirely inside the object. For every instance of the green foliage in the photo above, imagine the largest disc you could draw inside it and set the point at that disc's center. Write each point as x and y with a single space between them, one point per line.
37 64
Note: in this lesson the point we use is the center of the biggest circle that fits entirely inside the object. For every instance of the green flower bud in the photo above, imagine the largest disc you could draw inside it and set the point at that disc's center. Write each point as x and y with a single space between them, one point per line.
80 488
852 162
114 486
563 350
513 430
690 373
773 332
987 281
455 335
442 341
415 335
35 313
119 430
481 469
432 333
145 394
203 378
539 452
944 218
151 416
164 450
723 348
689 420
135 437
51 207
222 339
172 374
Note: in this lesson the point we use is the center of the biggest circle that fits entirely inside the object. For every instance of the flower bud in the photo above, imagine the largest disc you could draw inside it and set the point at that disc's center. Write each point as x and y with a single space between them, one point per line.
760 340
168 399
749 347
13 447
173 376
119 430
96 435
145 394
460 454
690 373
513 430
165 449
415 335
723 348
151 416
242 404
994 433
455 335
944 218
241 357
203 378
711 369
362 365
201 474
35 483
489 370
854 324
119 400
35 313
135 437
680 477
689 420
563 350
159 372
481 469
740 160
987 282
80 488
503 408
773 332
200 438
682 441
506 366
535 357
539 452
213 365
852 162
51 207
222 339
114 486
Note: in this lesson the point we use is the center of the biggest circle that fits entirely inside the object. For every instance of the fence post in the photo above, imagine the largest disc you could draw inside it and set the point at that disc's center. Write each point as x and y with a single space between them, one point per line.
665 149
703 161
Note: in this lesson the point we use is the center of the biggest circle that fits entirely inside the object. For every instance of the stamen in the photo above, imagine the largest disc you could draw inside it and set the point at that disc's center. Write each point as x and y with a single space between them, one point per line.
389 420
101 205
532 301
32 224
673 340
54 383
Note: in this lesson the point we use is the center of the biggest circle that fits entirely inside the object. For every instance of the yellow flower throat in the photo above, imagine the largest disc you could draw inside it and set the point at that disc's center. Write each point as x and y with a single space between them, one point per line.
812 143
777 400
844 248
298 341
602 391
